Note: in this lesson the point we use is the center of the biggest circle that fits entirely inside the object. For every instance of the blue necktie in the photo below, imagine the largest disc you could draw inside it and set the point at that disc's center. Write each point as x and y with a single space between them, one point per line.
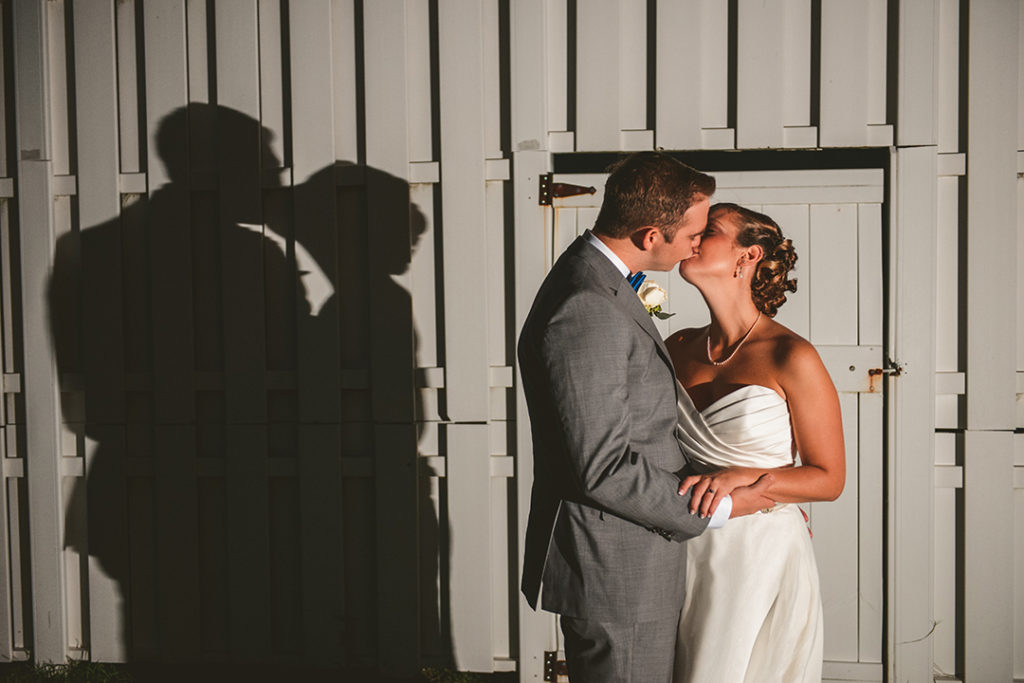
636 279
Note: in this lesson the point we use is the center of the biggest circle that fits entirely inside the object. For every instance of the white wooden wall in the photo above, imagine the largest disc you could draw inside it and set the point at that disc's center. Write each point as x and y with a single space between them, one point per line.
364 466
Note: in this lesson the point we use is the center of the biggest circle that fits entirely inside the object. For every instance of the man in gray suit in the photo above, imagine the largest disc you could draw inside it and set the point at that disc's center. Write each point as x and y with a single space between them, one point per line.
604 541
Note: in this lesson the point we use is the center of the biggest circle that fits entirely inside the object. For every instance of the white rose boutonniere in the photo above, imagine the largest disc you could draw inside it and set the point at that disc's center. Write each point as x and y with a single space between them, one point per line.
652 296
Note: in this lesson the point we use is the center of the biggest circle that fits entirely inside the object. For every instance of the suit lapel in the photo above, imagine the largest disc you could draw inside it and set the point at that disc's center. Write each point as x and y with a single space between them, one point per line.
629 300
609 276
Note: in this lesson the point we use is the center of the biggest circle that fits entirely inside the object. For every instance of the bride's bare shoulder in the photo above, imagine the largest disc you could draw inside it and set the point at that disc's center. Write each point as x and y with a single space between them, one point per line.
682 337
792 352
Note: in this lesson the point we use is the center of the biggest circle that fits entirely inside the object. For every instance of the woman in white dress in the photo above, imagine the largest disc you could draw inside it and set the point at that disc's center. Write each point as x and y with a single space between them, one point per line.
754 395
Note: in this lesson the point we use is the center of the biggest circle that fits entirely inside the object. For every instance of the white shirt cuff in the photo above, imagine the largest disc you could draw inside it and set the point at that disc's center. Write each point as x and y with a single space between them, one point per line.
722 513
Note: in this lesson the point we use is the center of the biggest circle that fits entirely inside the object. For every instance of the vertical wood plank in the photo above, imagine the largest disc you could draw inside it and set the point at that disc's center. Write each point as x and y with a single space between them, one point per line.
534 626
912 397
8 430
497 272
20 608
127 87
834 525
946 584
873 56
393 347
844 80
1018 591
315 202
395 474
947 88
170 256
8 569
271 111
553 19
170 249
142 529
714 64
323 576
869 274
991 214
491 32
463 206
177 568
419 82
678 51
947 267
98 203
6 93
917 92
35 203
530 83
632 27
199 56
240 198
760 69
597 76
833 231
320 133
988 557
346 129
60 112
468 480
871 521
248 543
239 147
796 72
108 561
502 581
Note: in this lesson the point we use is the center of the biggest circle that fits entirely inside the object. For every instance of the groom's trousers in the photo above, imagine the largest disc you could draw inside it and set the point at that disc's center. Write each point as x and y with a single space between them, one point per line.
598 651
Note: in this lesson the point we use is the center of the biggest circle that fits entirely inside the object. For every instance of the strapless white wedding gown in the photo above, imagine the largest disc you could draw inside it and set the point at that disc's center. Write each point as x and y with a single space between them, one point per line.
753 607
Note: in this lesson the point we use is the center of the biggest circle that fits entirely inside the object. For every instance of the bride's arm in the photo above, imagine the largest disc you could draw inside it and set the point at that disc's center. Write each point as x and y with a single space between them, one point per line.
817 431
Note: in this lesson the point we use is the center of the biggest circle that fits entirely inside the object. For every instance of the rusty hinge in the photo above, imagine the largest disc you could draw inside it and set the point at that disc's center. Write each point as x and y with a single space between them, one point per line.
554 667
550 190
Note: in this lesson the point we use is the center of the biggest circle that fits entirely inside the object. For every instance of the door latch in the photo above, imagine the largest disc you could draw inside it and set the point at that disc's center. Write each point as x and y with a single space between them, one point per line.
891 368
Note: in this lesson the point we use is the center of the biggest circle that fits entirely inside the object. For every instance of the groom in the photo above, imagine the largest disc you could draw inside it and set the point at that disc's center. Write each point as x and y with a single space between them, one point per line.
604 538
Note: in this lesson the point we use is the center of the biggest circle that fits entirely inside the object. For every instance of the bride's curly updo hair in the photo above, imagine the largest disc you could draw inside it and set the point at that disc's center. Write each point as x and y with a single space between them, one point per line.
771 278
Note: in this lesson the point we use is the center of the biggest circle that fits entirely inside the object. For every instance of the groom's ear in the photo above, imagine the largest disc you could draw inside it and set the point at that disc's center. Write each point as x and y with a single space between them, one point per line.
646 237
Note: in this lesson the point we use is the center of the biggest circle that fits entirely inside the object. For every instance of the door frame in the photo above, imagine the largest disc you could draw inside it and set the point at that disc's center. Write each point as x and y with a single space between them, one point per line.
909 247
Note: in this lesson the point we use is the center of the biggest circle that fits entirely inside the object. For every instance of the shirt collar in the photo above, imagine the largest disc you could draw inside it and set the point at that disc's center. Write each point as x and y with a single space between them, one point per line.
606 250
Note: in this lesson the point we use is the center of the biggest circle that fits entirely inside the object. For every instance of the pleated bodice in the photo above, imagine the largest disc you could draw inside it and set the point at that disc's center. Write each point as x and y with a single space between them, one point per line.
748 427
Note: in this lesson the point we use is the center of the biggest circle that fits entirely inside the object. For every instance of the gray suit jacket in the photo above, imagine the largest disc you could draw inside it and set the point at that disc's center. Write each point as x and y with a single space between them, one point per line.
605 525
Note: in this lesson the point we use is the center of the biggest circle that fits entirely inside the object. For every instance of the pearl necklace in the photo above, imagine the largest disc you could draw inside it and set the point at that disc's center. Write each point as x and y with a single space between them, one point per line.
738 344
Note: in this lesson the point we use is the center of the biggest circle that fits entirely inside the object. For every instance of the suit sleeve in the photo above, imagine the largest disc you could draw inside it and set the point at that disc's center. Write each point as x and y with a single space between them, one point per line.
583 351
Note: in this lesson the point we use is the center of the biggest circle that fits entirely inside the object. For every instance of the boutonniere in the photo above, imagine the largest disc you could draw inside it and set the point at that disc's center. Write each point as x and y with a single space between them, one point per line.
652 296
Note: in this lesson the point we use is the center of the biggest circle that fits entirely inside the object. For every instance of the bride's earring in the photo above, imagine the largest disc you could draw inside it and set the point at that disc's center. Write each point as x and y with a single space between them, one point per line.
739 271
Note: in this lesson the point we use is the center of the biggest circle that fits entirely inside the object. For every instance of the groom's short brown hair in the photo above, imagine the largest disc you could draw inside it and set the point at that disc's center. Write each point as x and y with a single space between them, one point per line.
649 188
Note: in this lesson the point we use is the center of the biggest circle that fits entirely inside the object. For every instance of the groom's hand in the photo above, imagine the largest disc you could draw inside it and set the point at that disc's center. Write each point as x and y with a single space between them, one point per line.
747 500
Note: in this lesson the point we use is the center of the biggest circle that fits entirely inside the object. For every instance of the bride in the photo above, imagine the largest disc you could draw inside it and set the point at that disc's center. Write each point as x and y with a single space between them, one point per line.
756 393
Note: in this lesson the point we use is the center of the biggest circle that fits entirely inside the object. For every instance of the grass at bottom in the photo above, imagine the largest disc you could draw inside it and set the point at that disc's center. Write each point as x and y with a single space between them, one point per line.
205 672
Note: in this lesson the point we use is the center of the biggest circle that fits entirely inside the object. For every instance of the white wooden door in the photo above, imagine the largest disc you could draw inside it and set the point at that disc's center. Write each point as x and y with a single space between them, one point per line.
834 218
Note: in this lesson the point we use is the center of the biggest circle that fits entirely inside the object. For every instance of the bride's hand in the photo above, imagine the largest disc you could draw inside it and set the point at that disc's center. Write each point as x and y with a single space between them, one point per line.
709 489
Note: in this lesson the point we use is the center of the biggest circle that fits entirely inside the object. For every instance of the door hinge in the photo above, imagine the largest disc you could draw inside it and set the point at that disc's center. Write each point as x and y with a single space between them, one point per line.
550 190
554 667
